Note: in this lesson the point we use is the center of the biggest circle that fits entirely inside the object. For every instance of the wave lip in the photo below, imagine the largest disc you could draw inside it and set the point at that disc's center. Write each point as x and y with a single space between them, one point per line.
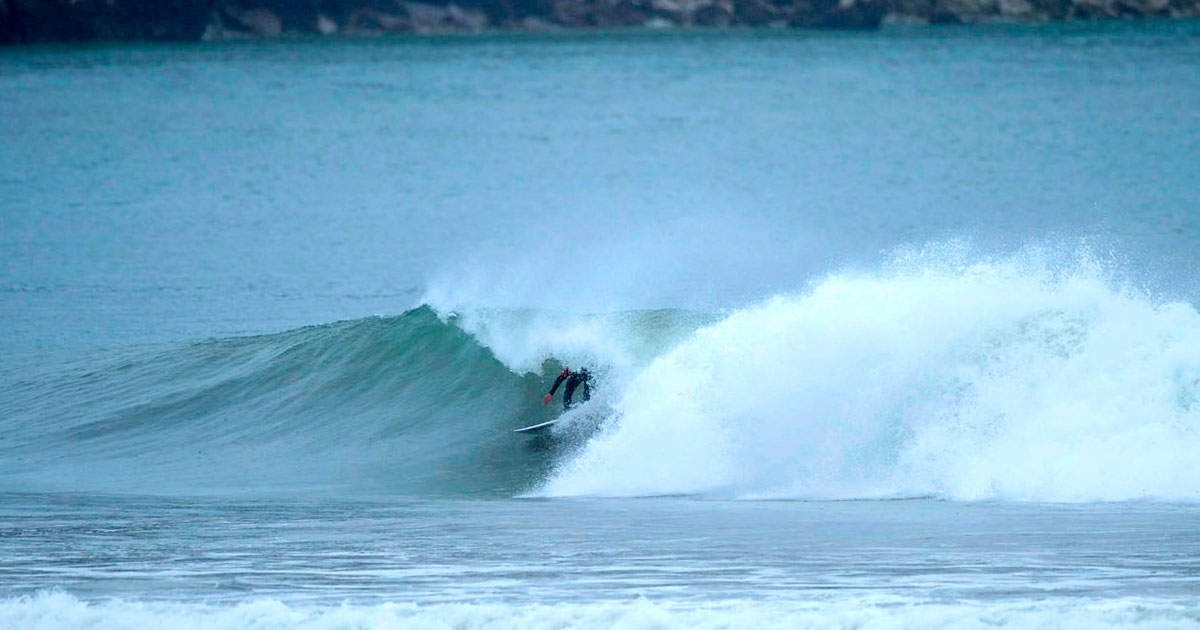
995 380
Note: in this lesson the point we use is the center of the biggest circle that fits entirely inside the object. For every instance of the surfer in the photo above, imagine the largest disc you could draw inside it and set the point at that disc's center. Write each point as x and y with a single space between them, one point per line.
574 380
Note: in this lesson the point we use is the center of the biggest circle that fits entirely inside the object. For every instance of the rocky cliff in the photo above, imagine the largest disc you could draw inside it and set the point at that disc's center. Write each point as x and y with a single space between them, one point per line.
183 20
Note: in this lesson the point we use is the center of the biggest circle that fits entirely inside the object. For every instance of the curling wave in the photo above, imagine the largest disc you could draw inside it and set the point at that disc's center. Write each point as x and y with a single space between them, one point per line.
1023 378
407 404
412 404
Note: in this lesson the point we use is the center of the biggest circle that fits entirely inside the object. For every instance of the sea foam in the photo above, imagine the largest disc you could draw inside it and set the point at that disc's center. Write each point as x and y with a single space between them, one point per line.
61 611
1011 379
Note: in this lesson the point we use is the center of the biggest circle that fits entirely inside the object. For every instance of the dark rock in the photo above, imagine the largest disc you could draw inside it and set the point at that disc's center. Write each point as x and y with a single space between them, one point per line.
756 12
427 17
325 25
945 17
831 14
430 17
1051 9
258 21
596 13
189 20
536 25
84 20
714 14
628 13
368 21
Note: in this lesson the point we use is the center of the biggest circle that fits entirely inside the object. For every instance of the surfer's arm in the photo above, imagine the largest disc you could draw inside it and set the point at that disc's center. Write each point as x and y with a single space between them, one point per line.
558 381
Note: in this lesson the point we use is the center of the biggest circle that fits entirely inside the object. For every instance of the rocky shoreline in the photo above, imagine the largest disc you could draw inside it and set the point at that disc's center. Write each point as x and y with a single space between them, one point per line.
25 21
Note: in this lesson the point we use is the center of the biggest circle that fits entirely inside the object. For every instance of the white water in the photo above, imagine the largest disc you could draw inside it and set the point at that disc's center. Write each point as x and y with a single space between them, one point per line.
60 611
1016 379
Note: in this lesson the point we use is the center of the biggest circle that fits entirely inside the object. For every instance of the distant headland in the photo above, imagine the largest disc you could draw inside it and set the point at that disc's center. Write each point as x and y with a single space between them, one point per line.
24 21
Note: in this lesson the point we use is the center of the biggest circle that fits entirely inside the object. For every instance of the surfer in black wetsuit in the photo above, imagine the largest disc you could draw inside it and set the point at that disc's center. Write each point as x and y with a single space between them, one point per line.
574 380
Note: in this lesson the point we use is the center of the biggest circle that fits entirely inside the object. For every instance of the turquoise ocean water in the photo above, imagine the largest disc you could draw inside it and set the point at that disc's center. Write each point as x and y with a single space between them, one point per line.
893 329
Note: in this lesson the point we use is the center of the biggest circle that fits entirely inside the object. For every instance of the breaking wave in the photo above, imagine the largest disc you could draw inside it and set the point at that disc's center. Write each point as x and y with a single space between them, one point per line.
1023 378
60 611
1010 379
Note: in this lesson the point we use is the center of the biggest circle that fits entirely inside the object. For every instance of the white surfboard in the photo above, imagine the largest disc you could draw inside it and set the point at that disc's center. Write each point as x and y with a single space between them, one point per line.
537 427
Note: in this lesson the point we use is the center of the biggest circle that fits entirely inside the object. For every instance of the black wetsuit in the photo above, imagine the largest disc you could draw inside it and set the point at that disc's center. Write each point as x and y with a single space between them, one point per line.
574 380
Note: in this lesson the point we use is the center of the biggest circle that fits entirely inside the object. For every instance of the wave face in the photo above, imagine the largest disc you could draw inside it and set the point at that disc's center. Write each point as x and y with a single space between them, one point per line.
406 404
994 380
411 404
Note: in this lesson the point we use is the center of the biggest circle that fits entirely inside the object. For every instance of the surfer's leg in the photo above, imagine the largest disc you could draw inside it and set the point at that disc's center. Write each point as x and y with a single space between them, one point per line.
569 390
